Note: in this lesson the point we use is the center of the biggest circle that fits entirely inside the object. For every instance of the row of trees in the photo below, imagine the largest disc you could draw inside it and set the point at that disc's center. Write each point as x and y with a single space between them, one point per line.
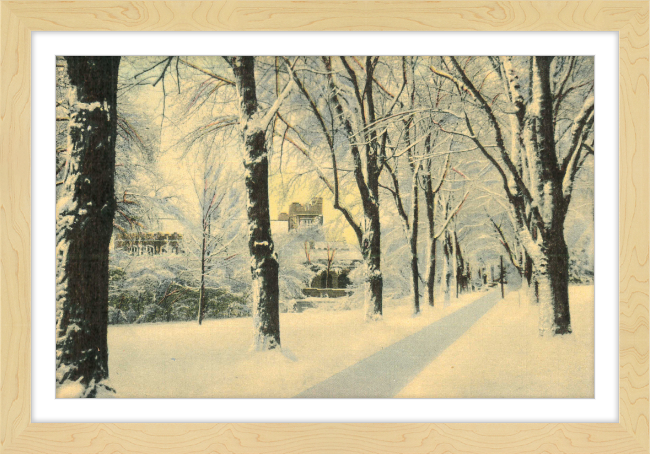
529 119
475 143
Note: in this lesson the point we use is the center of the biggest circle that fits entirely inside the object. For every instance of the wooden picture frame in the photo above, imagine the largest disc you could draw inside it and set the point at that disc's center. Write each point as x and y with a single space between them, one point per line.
19 434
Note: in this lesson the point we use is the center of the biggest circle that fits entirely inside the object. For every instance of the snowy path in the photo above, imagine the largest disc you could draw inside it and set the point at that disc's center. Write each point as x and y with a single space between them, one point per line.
386 372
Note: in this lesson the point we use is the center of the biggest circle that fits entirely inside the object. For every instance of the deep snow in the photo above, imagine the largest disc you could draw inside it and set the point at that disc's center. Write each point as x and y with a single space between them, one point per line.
501 355
183 359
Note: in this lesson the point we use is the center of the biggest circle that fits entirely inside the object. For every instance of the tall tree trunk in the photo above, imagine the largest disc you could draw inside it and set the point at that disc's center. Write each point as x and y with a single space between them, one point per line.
447 269
552 276
453 257
429 197
529 279
502 275
413 240
202 289
264 263
522 164
374 308
85 212
369 234
431 274
371 252
415 196
550 257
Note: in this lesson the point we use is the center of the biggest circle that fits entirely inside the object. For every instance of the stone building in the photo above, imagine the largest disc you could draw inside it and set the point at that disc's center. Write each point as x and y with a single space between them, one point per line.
149 243
304 216
162 236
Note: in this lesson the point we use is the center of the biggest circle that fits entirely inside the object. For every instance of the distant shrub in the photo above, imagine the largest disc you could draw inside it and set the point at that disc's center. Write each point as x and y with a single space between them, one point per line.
158 291
152 313
116 316
175 303
183 313
131 316
581 269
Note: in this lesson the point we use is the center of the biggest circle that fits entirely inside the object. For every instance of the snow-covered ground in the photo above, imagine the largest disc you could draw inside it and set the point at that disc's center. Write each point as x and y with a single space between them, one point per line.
502 356
182 359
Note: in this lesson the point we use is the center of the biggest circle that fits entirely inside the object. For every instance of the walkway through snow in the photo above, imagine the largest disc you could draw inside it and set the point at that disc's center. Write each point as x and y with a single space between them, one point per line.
386 372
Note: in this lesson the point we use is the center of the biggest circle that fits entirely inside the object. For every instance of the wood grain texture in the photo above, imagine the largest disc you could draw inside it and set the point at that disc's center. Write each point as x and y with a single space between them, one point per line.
633 231
19 435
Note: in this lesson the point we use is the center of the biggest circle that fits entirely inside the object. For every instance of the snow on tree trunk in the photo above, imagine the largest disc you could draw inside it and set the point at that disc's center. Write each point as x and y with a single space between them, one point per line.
368 185
447 269
550 256
413 241
552 277
202 289
431 272
528 280
264 263
415 195
85 212
453 284
371 251
429 197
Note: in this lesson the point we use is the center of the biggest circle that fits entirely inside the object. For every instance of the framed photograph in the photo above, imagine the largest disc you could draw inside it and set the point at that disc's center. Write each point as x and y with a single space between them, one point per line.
399 204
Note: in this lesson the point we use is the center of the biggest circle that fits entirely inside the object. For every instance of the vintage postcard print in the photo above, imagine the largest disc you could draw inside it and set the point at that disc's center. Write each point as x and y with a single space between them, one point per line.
325 226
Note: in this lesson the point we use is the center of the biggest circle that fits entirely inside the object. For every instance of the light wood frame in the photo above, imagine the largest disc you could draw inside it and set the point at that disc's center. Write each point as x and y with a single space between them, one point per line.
19 434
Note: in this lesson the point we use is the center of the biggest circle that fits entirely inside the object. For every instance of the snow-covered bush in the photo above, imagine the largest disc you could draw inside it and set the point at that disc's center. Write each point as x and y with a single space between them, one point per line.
145 289
357 278
116 316
396 258
581 267
131 316
152 313
182 313
295 273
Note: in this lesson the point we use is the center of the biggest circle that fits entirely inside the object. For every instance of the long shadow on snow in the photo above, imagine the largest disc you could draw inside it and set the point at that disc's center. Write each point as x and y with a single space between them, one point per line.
386 372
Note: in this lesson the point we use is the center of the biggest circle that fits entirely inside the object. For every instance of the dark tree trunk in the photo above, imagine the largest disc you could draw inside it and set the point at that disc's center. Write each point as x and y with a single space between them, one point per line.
431 276
85 211
529 277
502 277
459 263
371 251
429 197
415 201
550 257
374 297
202 289
454 262
369 233
552 276
415 272
264 263
447 268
